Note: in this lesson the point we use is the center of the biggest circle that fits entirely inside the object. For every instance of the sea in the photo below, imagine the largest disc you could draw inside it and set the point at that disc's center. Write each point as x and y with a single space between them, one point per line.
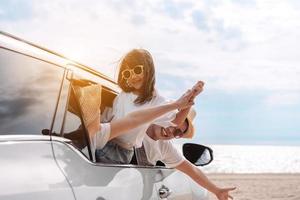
254 159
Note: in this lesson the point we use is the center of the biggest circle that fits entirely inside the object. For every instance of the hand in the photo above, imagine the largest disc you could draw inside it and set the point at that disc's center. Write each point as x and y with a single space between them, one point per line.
185 100
197 89
223 193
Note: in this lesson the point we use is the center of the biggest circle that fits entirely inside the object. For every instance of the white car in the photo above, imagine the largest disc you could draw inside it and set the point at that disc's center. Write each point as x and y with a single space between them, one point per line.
35 96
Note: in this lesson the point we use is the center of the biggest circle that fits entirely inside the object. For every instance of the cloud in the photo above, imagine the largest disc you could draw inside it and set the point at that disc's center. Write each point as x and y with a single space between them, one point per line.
200 20
227 32
246 45
245 2
174 9
138 19
246 51
283 99
241 75
9 11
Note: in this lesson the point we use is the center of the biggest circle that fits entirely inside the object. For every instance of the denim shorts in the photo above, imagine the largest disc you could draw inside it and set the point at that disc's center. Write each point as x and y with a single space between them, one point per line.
114 154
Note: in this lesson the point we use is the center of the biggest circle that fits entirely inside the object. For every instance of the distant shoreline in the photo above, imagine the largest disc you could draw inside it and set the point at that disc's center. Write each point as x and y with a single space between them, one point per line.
252 174
295 143
245 144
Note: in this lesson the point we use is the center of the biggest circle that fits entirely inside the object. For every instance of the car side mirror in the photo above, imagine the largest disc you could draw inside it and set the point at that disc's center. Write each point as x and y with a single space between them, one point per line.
197 154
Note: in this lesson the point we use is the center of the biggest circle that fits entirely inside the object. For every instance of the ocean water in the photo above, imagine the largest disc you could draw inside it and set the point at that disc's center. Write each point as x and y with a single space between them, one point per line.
254 159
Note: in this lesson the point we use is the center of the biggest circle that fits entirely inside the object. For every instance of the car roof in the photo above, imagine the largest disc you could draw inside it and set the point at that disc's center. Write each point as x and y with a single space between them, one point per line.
18 45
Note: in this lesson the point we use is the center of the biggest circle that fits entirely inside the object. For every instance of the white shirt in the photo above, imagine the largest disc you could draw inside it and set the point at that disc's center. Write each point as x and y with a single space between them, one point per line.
162 150
124 104
100 138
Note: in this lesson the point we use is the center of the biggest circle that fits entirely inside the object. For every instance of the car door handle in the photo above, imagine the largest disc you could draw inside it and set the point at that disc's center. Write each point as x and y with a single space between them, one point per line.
164 192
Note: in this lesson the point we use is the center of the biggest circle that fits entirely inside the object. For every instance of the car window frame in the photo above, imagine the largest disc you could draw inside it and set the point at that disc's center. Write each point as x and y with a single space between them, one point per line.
69 78
89 157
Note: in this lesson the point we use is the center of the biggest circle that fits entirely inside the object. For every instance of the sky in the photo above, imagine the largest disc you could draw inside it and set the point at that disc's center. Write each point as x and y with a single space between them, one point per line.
246 51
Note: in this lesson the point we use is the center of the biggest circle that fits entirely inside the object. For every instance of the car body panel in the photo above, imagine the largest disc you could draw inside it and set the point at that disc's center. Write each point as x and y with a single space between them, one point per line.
96 181
29 171
102 181
182 187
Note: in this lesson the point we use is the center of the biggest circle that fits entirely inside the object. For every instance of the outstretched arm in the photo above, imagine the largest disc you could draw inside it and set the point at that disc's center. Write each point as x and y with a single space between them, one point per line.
199 177
181 115
137 118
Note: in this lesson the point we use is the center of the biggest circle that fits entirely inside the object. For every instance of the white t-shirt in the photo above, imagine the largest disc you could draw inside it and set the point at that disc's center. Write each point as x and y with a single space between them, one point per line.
100 138
162 150
124 104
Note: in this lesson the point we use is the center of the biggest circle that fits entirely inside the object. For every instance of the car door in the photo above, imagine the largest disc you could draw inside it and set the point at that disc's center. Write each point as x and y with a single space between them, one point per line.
91 180
178 186
103 181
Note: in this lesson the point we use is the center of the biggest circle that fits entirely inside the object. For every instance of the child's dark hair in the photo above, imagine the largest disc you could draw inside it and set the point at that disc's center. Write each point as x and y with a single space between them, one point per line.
131 59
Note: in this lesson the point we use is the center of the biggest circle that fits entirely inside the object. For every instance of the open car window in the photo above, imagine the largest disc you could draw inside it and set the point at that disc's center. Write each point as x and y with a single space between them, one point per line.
85 102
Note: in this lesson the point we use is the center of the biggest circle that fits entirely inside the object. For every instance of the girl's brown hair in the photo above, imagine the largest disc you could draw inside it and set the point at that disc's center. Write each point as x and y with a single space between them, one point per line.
131 59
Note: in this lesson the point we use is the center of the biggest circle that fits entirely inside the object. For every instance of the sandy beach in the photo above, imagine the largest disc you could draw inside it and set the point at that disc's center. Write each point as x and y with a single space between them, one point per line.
260 186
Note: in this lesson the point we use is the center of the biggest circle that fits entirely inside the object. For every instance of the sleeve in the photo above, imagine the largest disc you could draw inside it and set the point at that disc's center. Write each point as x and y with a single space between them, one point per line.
166 119
109 112
171 156
116 104
101 137
106 115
